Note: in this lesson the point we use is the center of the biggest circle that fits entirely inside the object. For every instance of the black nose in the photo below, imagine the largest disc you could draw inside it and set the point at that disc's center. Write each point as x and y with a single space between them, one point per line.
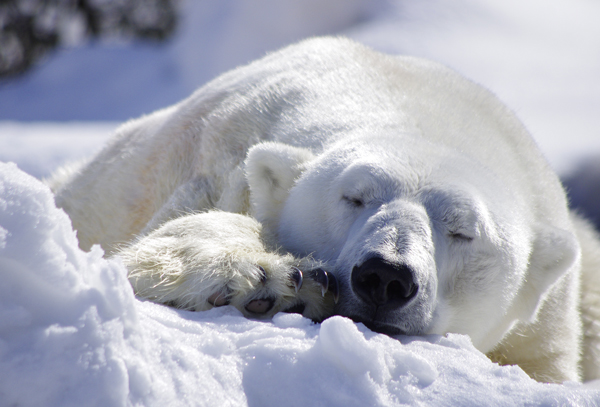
379 283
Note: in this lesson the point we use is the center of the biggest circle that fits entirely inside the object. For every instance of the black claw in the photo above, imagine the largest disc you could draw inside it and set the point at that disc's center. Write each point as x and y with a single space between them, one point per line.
297 278
263 275
320 276
333 286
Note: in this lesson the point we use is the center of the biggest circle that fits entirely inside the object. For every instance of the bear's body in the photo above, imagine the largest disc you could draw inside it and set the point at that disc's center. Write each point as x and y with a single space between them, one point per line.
422 196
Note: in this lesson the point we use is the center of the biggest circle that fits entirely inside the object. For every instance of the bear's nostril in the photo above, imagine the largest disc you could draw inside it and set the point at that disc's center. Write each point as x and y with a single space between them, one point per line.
379 283
372 282
397 290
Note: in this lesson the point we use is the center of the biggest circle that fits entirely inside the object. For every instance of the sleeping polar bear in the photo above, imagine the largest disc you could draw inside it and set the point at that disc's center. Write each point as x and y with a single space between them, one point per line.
387 189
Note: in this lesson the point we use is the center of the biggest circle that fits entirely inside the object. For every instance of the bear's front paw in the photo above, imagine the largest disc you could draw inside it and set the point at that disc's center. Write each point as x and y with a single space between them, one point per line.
282 288
213 259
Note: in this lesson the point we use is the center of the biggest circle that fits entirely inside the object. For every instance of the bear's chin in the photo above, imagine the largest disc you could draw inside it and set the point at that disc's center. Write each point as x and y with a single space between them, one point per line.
386 329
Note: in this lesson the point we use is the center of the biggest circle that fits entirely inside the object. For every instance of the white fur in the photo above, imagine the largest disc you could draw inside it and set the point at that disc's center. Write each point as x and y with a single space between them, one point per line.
346 155
166 266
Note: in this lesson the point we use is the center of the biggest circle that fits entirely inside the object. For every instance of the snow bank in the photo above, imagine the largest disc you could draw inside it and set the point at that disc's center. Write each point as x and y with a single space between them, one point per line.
72 334
40 148
64 314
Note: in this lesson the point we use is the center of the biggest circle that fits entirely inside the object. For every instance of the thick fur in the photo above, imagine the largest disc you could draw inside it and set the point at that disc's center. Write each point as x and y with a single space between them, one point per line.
361 163
199 260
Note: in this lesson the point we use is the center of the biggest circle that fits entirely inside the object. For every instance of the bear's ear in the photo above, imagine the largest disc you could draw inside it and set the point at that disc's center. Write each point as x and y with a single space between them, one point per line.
271 171
555 252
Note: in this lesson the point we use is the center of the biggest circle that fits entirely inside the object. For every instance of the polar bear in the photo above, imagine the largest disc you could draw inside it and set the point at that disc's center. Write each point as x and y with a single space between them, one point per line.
405 197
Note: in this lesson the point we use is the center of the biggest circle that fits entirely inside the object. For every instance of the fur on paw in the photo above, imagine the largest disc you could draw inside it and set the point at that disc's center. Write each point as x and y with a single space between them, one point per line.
213 259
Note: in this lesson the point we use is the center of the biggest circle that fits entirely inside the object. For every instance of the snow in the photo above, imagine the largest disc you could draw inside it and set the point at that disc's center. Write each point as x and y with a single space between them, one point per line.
71 331
41 147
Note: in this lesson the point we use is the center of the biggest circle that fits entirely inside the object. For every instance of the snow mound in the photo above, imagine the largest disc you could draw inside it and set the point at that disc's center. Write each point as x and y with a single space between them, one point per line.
73 334
64 314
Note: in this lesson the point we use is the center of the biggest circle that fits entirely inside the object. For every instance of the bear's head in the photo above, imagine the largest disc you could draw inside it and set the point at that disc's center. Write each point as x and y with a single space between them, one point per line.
422 238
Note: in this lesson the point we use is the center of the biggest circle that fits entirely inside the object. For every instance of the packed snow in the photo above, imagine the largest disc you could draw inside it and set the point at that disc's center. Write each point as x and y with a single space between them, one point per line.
73 334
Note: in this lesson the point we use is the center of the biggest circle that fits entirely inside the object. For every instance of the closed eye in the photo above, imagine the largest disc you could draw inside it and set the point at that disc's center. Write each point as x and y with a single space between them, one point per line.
460 237
355 202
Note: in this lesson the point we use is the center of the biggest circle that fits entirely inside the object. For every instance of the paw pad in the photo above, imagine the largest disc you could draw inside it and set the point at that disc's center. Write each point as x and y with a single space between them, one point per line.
260 306
219 299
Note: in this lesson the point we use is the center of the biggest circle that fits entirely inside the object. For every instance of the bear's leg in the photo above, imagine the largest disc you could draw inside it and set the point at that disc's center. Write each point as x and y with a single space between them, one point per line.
192 196
200 261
